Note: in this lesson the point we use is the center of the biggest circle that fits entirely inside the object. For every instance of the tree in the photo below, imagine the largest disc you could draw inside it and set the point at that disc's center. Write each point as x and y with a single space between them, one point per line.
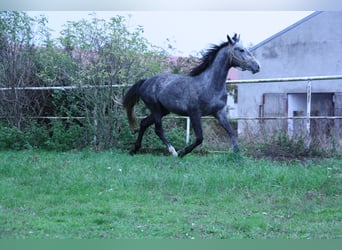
106 53
17 66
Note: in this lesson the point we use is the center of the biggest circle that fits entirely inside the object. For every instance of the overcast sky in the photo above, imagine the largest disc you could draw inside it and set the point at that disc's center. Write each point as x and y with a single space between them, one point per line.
190 32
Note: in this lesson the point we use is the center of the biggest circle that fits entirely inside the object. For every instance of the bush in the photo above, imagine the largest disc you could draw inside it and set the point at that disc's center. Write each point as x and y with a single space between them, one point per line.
32 136
57 136
10 137
65 136
88 52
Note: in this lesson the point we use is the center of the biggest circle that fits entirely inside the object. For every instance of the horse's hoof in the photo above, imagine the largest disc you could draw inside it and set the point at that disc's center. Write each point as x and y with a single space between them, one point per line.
173 151
181 153
132 152
236 150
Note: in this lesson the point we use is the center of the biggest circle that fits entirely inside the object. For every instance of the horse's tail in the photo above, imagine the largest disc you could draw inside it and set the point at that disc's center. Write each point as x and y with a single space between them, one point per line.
129 100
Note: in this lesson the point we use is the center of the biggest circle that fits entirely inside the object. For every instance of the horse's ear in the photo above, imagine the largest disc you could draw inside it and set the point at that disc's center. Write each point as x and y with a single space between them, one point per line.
230 41
236 38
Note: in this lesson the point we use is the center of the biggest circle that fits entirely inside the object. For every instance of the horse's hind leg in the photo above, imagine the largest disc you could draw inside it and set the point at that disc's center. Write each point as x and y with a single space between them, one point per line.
160 132
144 124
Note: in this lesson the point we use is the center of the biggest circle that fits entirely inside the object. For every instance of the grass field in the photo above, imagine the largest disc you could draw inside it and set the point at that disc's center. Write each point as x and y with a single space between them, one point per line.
93 195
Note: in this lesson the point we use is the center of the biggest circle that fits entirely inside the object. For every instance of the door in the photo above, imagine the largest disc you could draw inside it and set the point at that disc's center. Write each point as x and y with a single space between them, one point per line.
274 105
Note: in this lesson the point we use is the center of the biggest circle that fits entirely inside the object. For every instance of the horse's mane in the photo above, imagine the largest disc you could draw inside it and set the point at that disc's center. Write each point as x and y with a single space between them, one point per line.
207 59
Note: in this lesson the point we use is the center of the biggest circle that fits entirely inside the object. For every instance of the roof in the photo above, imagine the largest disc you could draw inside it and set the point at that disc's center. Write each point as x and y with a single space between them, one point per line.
303 20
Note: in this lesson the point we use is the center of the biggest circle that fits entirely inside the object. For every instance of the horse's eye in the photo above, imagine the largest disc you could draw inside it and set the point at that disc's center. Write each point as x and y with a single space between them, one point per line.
240 50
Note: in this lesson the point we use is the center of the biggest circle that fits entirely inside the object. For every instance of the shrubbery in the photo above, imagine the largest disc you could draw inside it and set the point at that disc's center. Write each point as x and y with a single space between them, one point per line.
88 52
56 136
280 146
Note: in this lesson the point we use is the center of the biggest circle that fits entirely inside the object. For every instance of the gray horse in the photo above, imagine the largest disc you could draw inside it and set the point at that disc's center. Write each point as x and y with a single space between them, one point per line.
201 93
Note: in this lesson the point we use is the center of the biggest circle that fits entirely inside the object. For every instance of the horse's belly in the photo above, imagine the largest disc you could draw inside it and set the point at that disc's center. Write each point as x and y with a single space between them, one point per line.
212 108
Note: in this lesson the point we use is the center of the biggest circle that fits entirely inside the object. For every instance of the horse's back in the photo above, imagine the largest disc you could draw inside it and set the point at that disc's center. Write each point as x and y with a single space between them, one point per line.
166 83
172 91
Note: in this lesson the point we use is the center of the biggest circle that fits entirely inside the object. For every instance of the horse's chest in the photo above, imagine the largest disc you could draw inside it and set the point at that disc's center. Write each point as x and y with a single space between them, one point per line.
213 103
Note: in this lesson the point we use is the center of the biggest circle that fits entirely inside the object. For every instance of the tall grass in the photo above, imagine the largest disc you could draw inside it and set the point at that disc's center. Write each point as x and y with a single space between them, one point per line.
110 194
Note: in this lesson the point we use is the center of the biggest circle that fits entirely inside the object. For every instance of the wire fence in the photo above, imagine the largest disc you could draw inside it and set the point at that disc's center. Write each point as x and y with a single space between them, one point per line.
306 80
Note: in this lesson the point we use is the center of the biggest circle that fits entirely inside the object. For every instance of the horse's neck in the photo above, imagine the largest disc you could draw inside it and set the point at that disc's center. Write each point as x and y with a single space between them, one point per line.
215 76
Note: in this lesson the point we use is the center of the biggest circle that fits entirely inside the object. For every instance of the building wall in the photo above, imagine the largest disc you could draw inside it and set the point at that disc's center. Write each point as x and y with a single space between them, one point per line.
311 48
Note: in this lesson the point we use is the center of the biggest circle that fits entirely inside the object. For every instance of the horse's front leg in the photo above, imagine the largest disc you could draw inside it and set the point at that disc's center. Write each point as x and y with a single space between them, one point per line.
160 132
222 118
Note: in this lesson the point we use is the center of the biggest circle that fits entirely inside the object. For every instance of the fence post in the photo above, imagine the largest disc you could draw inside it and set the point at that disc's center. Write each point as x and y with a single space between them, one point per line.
187 139
95 115
308 115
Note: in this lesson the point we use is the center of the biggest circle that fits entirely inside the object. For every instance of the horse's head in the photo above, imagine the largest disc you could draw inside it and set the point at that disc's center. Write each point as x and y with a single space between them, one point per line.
240 57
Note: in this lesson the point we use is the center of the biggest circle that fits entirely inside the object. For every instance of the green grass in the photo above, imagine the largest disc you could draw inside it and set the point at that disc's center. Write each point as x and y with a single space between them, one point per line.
92 195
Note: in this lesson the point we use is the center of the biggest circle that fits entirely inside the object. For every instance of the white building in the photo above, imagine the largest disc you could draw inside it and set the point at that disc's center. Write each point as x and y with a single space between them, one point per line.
310 47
